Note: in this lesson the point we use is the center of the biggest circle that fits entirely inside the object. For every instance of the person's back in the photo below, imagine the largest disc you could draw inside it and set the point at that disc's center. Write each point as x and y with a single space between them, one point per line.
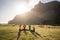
29 27
24 27
33 29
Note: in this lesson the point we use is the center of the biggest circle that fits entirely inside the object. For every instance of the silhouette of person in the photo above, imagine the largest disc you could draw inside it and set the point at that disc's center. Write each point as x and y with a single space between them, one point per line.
24 27
29 27
33 29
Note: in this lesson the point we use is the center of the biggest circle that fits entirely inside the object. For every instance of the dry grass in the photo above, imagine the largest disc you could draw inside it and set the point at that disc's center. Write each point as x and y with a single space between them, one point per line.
9 32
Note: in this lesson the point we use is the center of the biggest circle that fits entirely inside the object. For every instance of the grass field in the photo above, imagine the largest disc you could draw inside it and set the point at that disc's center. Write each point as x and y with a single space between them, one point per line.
9 32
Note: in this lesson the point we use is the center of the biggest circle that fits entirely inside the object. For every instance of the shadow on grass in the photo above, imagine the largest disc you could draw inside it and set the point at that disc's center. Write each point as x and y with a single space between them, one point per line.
35 34
25 31
19 33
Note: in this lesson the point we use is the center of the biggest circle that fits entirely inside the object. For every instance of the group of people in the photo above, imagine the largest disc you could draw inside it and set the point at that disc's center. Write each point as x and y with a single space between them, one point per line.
24 28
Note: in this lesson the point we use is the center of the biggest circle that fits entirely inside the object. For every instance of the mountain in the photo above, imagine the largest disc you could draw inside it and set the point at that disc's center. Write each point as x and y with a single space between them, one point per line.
48 13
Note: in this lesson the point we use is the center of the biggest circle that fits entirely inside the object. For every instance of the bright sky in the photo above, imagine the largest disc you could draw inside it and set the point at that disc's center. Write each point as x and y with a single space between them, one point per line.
9 8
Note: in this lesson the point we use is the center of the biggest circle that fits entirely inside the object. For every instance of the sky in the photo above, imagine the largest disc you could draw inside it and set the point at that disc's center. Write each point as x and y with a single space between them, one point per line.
10 8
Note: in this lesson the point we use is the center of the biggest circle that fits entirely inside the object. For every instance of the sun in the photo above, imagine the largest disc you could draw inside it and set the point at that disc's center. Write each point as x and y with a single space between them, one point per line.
22 8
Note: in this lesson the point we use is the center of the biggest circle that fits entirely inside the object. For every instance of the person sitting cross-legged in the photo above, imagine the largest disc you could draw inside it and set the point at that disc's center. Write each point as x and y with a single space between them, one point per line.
24 27
33 29
30 27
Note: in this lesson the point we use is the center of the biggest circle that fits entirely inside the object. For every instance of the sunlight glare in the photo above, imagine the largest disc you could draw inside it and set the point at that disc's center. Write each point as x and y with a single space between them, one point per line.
21 9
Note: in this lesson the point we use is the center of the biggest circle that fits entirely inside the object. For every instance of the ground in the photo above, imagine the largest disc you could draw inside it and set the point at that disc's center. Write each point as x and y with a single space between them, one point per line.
10 32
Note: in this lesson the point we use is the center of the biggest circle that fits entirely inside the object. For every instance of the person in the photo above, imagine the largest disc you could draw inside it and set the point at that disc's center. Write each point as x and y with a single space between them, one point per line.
29 27
33 29
24 27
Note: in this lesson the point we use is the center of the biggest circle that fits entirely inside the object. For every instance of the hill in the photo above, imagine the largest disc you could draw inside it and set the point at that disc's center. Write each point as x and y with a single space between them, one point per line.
48 13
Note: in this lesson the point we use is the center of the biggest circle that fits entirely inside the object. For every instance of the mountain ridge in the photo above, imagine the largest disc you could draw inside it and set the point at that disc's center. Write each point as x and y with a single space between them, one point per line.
48 13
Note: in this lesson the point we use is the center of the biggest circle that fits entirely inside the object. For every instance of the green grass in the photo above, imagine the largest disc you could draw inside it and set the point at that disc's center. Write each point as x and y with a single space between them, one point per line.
9 32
